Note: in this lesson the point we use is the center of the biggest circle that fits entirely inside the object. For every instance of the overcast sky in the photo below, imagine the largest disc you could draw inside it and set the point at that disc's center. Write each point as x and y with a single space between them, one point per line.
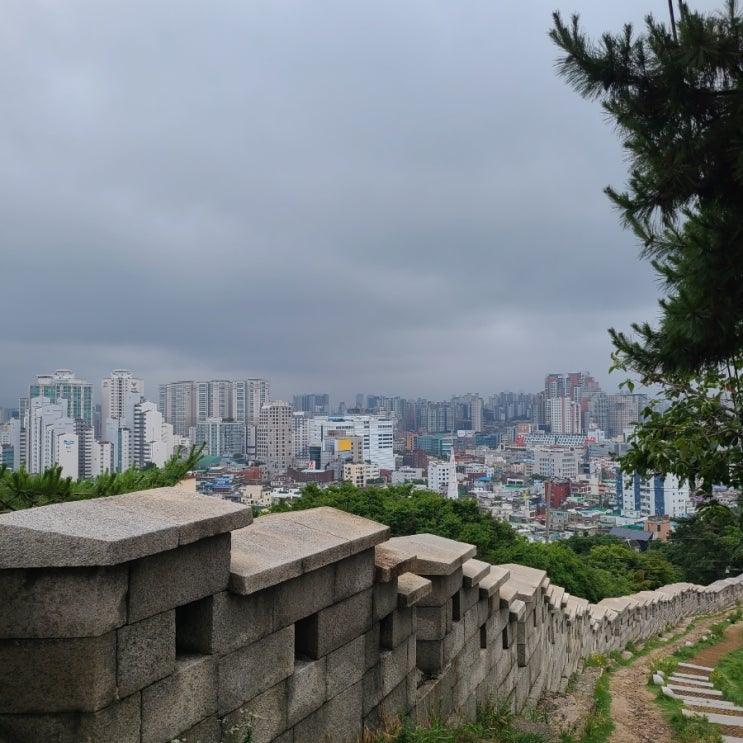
382 197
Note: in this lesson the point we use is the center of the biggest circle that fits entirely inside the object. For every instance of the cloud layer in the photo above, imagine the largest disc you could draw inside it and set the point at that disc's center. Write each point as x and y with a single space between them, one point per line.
398 198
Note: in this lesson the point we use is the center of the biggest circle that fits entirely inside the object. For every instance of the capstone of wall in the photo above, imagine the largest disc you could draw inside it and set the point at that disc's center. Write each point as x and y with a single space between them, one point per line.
162 615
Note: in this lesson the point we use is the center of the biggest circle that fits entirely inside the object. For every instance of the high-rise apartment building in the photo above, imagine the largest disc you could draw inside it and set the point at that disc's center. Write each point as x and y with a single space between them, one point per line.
178 405
63 384
274 436
222 438
152 438
119 393
52 438
623 412
563 415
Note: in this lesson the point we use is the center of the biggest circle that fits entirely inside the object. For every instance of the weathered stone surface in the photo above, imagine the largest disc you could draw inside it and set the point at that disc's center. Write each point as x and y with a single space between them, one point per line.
433 621
397 627
196 516
181 700
62 602
304 595
282 546
391 563
78 534
354 574
75 674
393 667
224 622
113 530
178 576
372 647
443 588
261 720
411 589
306 689
434 555
118 722
244 673
385 599
206 731
490 583
330 628
145 652
345 666
338 720
473 571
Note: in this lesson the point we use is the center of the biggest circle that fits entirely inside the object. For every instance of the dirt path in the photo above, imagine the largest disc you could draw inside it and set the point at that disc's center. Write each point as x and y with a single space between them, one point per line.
637 718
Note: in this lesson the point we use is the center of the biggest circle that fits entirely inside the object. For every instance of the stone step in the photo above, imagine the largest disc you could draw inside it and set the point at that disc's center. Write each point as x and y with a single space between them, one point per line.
683 678
695 667
710 703
692 691
729 720
731 739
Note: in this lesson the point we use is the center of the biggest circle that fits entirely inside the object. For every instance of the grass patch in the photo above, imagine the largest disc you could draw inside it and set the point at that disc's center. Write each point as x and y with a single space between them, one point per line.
728 676
599 725
493 723
687 729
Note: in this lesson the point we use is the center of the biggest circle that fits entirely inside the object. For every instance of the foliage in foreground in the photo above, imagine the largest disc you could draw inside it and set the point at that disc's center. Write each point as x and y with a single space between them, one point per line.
675 95
19 490
493 723
589 567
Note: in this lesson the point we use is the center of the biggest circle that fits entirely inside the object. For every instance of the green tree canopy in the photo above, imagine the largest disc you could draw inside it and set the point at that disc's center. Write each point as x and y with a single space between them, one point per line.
677 102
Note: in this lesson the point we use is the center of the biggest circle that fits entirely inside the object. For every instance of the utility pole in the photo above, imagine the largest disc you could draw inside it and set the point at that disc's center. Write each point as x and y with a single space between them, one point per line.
547 504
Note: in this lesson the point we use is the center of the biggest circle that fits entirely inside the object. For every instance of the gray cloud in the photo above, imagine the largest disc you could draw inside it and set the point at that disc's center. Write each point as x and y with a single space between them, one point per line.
381 197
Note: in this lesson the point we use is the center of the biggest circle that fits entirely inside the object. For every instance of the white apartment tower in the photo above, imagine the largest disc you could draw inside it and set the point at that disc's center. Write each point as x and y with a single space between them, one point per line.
274 436
119 393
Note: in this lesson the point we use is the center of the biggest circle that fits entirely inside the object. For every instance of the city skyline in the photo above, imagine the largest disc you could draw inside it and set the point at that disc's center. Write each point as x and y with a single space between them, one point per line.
153 392
401 198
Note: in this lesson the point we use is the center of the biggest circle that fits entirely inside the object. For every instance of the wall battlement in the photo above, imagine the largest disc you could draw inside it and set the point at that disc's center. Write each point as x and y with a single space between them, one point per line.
150 616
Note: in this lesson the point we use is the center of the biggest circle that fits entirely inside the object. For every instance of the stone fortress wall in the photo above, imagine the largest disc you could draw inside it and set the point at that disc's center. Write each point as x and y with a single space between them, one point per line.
157 615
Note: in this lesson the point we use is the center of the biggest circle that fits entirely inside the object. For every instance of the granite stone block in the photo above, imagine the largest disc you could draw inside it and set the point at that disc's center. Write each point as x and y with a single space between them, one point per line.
118 722
244 673
261 720
194 515
337 721
354 574
333 627
62 602
145 652
224 622
178 576
385 599
372 646
443 587
181 700
433 621
345 666
206 731
411 589
306 689
393 667
68 675
397 627
390 564
434 555
306 594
